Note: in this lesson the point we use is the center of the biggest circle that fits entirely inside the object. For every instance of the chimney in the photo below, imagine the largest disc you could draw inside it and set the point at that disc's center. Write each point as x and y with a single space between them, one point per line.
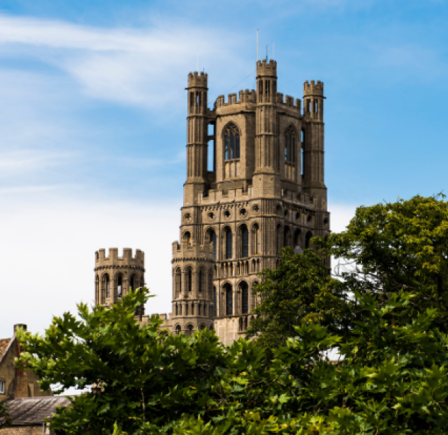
19 325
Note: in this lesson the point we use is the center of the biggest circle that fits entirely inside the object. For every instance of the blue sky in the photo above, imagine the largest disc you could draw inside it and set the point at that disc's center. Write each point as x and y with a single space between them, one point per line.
92 120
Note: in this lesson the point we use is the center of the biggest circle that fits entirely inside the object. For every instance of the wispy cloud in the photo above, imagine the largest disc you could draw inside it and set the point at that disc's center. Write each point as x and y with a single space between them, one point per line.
139 67
16 163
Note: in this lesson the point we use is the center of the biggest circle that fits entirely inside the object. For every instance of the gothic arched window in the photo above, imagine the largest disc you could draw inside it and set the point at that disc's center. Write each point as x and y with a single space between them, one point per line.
178 282
189 279
244 298
215 302
244 242
297 241
229 243
178 329
97 290
308 237
202 280
286 236
212 240
231 142
302 154
133 282
290 145
106 284
229 300
187 238
255 239
119 286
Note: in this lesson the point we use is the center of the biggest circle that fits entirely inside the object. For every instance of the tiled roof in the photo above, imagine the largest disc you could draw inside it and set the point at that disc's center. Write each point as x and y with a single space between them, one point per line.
33 410
4 345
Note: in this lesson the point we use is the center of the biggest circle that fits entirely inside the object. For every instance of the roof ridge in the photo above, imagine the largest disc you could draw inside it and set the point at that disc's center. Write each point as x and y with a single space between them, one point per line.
7 347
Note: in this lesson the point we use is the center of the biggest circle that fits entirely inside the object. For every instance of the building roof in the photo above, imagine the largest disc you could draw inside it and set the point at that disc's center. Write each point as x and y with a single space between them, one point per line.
29 411
4 345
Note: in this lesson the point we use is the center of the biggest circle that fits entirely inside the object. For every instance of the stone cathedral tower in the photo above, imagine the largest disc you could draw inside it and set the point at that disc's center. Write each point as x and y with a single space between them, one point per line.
265 190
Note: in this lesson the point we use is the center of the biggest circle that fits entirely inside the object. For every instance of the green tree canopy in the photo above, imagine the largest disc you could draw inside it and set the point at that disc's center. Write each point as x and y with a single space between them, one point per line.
384 318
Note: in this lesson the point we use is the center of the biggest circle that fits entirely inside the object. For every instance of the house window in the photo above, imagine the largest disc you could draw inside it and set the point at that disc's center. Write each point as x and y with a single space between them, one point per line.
232 142
2 387
214 302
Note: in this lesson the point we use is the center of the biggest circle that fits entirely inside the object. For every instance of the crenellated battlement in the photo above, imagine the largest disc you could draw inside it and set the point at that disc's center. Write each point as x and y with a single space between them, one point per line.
313 88
246 96
266 68
114 260
288 101
191 251
197 80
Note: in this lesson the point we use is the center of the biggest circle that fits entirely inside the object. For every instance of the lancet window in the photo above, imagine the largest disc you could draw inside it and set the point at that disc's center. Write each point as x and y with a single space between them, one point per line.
229 300
97 290
212 238
244 242
232 142
178 282
229 243
189 279
106 282
244 298
290 145
119 286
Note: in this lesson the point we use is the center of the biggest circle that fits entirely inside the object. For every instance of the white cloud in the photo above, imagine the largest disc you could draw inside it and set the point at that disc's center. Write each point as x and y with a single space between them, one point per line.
16 163
139 67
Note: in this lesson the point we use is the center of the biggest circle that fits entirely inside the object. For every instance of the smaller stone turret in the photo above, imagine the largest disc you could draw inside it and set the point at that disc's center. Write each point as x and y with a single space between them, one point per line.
313 100
193 298
115 275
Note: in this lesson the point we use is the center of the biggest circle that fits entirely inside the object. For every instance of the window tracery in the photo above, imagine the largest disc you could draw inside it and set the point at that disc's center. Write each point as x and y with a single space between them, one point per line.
290 145
232 142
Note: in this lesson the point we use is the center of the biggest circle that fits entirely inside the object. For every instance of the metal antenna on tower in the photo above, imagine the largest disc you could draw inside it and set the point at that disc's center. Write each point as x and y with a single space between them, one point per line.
267 51
197 62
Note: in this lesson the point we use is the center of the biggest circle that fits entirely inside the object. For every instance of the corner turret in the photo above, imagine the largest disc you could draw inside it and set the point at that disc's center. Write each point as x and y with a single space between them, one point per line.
313 100
197 137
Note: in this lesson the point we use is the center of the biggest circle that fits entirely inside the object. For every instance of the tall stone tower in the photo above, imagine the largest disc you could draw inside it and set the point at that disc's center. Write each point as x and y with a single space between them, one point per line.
265 190
115 275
